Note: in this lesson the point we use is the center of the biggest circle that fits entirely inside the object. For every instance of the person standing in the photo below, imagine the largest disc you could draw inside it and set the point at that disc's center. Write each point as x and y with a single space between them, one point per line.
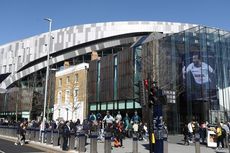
190 131
118 117
136 118
65 135
219 136
108 119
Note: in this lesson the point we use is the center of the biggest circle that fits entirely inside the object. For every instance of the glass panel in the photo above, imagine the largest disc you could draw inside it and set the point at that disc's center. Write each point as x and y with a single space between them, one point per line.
137 105
98 106
115 78
110 105
115 105
129 104
103 106
121 105
93 107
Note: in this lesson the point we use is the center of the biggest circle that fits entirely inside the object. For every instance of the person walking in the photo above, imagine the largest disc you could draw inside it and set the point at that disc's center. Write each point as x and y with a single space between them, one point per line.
18 141
225 133
219 136
186 133
126 124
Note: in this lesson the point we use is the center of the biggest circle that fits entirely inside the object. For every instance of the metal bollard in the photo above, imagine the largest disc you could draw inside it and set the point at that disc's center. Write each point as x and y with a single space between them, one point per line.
60 139
9 131
93 142
72 140
55 137
165 141
28 133
135 143
82 141
48 136
228 142
1 130
197 142
107 142
37 134
33 134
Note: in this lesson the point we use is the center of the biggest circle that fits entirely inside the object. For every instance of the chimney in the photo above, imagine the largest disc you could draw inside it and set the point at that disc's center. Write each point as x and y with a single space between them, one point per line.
94 55
66 64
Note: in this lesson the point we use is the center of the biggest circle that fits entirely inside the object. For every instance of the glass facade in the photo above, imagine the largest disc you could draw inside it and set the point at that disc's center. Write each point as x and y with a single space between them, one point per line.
194 69
115 77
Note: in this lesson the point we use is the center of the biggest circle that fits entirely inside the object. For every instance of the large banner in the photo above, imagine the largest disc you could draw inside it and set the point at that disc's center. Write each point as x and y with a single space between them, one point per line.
199 76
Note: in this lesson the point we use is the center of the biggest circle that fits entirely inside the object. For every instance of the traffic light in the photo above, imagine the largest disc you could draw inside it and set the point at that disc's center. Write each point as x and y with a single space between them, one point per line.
146 84
156 96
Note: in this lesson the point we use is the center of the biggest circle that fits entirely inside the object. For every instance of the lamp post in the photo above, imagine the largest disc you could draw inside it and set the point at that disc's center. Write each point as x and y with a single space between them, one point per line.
47 78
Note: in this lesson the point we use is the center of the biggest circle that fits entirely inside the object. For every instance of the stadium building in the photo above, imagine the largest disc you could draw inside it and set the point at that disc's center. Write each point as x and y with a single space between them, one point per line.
189 62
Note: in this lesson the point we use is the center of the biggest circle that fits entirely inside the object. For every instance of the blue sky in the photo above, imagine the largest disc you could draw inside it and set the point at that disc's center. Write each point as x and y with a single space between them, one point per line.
24 18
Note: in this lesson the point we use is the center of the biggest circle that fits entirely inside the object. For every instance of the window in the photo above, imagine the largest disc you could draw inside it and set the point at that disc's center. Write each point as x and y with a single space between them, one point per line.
4 68
76 78
75 94
60 82
115 78
98 79
67 80
19 59
59 97
67 96
10 67
59 112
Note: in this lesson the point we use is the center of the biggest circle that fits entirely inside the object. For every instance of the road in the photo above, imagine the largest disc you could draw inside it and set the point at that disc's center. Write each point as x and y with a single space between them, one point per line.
7 146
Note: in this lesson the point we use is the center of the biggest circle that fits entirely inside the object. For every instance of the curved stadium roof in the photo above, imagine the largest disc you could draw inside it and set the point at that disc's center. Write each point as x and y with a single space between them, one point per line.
23 57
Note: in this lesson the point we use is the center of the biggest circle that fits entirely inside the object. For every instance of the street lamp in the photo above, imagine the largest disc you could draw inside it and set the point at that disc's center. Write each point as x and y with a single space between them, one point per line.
47 77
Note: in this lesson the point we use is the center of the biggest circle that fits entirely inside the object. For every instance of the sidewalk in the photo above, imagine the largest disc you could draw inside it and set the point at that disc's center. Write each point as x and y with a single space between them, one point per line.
175 145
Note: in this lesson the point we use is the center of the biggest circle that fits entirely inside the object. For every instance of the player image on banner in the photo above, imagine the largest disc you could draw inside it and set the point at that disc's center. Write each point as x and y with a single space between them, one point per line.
199 79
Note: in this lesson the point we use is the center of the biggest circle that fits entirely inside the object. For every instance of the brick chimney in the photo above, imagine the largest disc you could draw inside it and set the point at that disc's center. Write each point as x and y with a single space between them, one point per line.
66 64
94 55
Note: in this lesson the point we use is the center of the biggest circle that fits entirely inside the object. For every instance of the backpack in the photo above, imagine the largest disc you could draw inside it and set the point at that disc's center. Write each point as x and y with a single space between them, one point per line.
223 132
92 117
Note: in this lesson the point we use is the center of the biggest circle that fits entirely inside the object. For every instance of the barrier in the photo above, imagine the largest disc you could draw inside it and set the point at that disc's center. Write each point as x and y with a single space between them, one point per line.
72 140
93 142
37 134
28 133
165 145
33 134
81 141
48 136
107 146
135 143
60 140
197 142
55 137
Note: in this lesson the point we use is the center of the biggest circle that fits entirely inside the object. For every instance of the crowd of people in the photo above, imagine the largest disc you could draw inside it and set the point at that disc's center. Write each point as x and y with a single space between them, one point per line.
193 127
119 127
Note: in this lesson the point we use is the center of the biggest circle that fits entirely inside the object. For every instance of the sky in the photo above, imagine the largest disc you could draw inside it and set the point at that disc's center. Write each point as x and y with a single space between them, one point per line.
20 19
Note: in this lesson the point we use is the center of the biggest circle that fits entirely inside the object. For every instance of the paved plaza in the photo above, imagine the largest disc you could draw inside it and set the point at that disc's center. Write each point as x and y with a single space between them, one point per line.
175 145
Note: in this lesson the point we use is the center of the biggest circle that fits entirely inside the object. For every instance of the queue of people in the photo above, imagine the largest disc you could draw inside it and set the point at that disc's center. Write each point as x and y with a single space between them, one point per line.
120 127
221 131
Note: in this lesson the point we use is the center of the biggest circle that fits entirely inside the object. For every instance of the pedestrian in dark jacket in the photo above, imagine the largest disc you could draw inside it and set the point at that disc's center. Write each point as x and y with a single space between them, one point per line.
185 133
65 135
